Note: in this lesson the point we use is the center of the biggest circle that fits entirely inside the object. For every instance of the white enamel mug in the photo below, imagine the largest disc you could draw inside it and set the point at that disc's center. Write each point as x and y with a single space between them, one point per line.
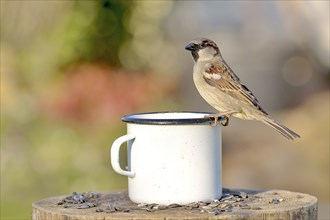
173 157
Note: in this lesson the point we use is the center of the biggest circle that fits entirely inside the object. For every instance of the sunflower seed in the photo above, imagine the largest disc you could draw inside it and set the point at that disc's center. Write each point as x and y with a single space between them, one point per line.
206 207
83 206
109 211
68 200
245 207
216 211
228 197
229 201
121 209
60 202
214 204
174 205
256 208
90 204
110 208
243 195
142 205
192 205
209 211
223 206
118 208
225 195
200 203
162 207
275 201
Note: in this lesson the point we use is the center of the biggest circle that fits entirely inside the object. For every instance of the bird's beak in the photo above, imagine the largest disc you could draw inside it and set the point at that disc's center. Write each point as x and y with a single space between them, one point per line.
191 46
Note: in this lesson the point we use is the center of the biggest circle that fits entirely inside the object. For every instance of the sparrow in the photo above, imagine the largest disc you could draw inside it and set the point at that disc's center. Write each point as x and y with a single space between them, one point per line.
222 89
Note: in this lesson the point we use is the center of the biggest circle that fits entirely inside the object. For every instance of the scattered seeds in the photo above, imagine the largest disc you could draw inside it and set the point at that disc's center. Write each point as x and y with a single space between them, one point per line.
79 200
226 203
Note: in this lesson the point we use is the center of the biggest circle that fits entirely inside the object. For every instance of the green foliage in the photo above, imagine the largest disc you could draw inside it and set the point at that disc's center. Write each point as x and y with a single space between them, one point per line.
101 39
62 98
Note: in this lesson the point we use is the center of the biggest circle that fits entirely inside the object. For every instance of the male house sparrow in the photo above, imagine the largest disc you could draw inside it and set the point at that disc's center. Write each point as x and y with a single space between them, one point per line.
223 90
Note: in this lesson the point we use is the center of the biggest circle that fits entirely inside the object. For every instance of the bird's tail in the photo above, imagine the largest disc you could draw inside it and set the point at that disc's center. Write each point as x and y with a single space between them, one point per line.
286 132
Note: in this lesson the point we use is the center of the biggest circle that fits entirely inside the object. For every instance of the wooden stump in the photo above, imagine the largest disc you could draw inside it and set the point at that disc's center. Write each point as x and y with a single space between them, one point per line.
235 204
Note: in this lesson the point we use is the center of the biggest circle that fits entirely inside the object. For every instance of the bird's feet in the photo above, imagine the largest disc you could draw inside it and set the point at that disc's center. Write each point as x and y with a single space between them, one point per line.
216 117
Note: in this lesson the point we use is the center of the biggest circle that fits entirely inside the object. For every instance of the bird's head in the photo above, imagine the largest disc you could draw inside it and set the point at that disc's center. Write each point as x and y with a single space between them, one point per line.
203 49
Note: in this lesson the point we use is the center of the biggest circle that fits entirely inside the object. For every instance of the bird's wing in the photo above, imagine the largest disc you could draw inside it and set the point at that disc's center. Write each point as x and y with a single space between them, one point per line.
219 75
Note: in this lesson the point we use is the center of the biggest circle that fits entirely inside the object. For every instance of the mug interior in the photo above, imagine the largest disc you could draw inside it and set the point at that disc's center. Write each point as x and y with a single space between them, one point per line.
169 118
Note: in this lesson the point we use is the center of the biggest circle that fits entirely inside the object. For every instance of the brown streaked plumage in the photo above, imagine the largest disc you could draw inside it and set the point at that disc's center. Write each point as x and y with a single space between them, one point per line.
223 90
230 84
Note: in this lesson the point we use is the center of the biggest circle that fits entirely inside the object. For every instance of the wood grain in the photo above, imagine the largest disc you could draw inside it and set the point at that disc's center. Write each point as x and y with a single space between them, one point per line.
287 205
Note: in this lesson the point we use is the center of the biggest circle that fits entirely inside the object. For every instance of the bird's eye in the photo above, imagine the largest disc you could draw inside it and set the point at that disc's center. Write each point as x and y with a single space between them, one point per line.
203 44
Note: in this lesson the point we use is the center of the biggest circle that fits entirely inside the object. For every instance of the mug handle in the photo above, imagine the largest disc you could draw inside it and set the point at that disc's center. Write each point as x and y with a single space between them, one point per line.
114 155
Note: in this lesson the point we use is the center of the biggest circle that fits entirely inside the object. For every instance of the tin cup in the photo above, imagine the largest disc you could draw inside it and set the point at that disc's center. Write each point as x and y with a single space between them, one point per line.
173 157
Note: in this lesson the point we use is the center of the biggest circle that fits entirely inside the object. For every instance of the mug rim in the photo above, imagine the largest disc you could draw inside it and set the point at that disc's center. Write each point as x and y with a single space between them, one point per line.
130 118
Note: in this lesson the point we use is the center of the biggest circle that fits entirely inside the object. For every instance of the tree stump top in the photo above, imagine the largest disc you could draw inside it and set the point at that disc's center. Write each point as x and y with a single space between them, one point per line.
235 204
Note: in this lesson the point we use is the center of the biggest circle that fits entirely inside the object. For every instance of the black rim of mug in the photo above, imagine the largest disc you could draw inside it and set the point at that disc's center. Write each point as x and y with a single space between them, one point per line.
132 118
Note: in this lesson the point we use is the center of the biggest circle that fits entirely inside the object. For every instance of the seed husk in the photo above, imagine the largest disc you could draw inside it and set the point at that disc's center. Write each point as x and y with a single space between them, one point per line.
276 201
214 204
162 207
193 205
206 207
84 206
174 205
217 211
142 205
243 195
256 208
110 208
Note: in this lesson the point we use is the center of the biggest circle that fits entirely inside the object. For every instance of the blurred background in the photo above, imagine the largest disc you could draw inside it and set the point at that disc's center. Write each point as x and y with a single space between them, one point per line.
71 69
